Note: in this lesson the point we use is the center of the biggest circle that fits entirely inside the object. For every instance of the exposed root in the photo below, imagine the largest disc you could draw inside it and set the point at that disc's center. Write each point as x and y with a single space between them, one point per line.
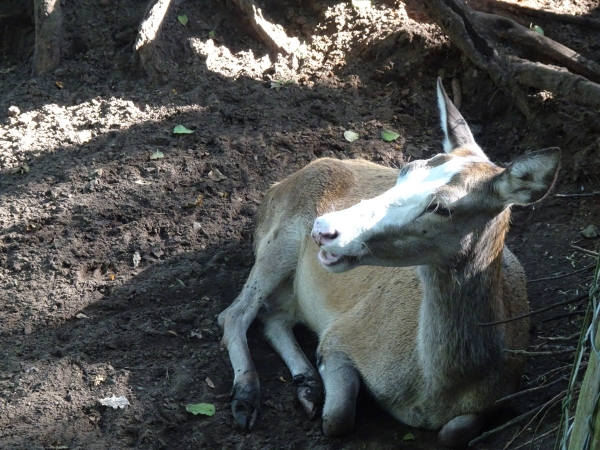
516 57
272 35
148 31
517 12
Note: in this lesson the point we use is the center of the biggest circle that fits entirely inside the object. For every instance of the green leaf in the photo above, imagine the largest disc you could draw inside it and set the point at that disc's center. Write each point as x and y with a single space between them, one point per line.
537 29
389 135
157 155
183 20
211 34
180 129
201 408
409 437
350 136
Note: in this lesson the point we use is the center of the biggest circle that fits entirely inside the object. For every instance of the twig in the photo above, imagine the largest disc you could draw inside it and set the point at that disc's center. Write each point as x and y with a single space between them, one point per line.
523 316
561 338
585 194
530 390
505 426
562 316
552 372
541 436
556 277
549 404
544 353
585 250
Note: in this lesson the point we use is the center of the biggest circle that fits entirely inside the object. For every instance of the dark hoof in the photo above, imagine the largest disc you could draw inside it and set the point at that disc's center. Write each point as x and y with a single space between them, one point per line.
245 406
310 394
461 430
338 427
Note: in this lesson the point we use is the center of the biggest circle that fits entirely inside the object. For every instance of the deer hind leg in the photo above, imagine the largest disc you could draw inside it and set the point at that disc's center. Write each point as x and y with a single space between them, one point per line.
342 382
279 332
458 432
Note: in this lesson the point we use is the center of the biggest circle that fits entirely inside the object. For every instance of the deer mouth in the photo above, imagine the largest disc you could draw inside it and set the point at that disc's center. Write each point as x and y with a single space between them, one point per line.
329 259
335 262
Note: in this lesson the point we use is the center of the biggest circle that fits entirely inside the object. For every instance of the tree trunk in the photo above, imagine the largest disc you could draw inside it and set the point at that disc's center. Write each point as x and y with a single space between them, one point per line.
48 30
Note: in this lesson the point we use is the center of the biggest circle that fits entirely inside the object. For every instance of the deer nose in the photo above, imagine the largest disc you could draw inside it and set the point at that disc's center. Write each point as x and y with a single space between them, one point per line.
324 234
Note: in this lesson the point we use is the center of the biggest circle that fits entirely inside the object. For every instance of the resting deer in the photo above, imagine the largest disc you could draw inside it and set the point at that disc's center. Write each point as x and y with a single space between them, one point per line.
395 272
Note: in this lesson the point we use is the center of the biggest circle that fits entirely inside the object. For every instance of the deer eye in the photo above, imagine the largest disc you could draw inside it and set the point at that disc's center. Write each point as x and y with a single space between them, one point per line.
439 209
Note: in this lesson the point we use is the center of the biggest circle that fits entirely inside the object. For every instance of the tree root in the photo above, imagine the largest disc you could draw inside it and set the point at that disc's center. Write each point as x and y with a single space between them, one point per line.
48 30
148 31
272 35
514 56
517 12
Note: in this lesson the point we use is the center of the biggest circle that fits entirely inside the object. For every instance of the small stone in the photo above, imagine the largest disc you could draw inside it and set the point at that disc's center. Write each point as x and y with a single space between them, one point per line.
13 111
590 232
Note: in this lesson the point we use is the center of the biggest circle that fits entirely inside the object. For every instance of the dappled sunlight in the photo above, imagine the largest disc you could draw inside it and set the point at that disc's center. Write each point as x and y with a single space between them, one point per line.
325 45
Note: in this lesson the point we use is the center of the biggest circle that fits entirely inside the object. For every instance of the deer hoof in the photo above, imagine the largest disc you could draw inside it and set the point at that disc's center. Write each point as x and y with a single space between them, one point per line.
458 432
245 406
310 394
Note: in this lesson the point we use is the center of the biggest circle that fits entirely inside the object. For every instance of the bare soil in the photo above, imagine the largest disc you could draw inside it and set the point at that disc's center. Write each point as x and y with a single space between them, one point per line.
80 195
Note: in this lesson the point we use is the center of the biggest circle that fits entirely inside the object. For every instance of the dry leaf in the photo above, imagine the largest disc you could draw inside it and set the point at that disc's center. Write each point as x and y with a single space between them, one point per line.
198 202
216 175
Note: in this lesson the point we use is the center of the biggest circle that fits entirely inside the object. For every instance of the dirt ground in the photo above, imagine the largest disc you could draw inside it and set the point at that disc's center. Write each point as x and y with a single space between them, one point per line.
111 279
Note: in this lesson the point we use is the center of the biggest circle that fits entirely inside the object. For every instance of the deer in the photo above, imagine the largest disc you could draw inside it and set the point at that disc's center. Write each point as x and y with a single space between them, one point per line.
396 272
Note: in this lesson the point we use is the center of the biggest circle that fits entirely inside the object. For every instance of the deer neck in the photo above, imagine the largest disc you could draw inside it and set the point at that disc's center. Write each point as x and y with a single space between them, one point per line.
456 299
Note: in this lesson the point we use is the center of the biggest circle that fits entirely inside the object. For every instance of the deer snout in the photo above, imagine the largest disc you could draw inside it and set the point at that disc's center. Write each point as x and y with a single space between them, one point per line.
323 234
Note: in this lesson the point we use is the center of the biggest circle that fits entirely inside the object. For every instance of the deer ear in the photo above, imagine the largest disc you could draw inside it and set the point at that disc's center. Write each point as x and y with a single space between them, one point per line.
529 178
457 133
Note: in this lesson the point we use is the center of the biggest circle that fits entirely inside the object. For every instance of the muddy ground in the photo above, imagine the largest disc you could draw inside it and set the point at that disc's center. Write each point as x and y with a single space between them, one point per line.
82 318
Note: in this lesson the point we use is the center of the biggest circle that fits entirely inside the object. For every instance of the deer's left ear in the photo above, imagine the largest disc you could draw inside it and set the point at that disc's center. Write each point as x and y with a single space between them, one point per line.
457 133
529 178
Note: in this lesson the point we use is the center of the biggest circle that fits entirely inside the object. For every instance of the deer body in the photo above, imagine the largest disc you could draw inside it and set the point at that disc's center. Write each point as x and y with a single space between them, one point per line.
395 273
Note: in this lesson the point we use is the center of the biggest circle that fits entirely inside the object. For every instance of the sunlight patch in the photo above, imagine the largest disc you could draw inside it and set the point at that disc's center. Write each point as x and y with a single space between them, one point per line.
219 59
